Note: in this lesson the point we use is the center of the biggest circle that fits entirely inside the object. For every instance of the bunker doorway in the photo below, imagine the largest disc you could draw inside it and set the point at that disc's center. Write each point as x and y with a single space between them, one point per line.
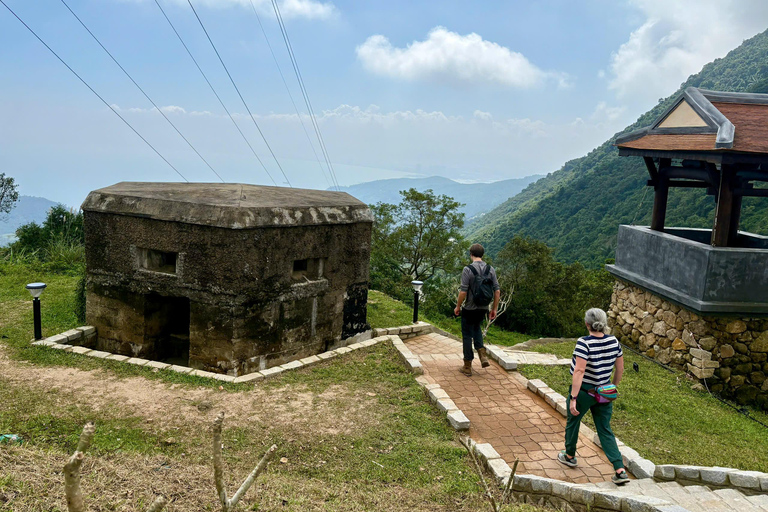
166 326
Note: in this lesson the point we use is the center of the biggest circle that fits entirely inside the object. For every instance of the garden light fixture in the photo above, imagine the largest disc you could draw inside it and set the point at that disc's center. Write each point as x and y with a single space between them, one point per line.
36 289
416 291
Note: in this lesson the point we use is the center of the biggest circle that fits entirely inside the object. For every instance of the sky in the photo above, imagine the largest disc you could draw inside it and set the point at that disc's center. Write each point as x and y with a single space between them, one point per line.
472 91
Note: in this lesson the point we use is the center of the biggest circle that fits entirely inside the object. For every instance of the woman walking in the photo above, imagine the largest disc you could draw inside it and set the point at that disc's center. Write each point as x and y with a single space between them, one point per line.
593 361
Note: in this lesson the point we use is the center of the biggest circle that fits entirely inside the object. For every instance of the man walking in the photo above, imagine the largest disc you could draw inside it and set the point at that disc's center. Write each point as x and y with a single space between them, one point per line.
479 288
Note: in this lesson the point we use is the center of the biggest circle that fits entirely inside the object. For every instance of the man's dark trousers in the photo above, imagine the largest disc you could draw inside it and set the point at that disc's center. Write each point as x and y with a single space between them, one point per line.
471 319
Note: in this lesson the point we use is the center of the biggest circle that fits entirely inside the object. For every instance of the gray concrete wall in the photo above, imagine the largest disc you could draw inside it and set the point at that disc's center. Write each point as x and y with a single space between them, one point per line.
701 277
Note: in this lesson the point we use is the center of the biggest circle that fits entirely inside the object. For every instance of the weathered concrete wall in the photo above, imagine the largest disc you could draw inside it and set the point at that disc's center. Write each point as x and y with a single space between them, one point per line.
247 312
731 353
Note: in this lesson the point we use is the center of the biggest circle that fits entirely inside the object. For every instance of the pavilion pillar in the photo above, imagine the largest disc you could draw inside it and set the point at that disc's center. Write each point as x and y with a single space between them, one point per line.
728 211
660 197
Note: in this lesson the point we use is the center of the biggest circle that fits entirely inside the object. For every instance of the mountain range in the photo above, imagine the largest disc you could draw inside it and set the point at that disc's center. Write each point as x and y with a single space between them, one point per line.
27 209
577 209
477 198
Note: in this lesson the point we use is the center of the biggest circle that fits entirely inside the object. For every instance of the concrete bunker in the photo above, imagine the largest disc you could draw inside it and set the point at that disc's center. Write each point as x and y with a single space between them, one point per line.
225 277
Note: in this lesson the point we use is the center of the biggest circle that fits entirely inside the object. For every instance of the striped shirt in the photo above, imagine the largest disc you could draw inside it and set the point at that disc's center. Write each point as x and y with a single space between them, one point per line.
600 354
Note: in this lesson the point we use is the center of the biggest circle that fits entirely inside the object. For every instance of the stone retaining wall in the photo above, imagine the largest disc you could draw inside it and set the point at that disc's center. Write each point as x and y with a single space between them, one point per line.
748 482
730 353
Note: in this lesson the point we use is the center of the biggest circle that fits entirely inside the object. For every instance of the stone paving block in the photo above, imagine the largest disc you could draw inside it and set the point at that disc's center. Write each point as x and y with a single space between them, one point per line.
507 363
342 350
73 334
356 346
438 394
610 500
137 361
393 330
642 503
670 508
715 476
745 479
687 472
562 408
535 384
498 468
202 373
271 371
224 377
458 420
700 354
641 468
155 364
327 355
310 360
562 489
380 332
446 404
664 472
371 342
583 495
486 452
249 377
553 398
764 483
422 381
180 369
759 500
121 358
406 330
81 350
57 338
415 366
523 483
291 365
87 330
44 343
101 354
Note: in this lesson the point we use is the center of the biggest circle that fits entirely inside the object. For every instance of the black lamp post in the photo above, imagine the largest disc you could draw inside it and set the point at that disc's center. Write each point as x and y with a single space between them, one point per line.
416 289
36 289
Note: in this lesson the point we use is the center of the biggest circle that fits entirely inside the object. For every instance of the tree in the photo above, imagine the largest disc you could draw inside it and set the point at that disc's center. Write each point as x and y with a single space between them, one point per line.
416 239
8 194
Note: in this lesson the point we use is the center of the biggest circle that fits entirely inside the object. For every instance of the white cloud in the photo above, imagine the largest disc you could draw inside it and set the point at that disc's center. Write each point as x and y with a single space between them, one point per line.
173 109
677 39
482 116
448 56
605 113
309 9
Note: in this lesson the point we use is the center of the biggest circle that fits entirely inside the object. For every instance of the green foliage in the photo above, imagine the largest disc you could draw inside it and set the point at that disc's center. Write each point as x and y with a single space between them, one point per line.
417 239
577 209
59 242
545 296
8 193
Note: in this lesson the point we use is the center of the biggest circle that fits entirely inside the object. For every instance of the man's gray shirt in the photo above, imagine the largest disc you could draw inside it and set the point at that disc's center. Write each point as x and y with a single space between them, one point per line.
466 281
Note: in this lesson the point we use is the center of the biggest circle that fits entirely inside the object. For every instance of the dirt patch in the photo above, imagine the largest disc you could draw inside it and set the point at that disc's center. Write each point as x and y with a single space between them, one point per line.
337 410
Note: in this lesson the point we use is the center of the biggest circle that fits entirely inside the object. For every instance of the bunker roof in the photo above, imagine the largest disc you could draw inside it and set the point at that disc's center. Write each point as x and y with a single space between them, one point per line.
228 205
706 121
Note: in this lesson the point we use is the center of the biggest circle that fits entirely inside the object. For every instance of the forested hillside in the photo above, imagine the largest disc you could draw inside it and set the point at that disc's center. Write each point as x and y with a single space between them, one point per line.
577 209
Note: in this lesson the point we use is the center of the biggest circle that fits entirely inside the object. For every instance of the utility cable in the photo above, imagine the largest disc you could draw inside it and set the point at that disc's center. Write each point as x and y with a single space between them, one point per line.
250 114
298 114
303 88
142 90
93 91
181 40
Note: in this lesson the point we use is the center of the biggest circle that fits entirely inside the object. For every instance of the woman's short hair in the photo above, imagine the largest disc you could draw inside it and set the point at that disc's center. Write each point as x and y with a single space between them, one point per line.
596 319
476 250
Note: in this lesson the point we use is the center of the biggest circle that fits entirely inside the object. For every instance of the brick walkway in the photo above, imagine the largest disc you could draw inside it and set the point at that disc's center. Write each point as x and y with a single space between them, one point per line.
504 413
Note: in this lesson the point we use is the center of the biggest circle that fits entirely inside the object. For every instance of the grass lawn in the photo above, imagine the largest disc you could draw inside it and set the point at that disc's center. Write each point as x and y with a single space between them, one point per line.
355 433
384 311
660 416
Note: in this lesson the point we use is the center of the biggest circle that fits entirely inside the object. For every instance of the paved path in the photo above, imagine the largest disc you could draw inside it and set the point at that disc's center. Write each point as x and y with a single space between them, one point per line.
504 413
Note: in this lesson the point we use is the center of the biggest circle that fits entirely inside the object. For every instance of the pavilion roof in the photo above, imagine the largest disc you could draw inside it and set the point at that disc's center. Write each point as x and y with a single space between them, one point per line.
706 121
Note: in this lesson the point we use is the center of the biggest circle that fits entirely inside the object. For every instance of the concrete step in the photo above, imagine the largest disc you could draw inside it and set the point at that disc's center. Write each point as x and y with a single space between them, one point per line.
694 498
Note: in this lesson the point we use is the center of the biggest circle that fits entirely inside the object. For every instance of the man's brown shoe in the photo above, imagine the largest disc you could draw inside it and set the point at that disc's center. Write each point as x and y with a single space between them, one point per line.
467 369
483 358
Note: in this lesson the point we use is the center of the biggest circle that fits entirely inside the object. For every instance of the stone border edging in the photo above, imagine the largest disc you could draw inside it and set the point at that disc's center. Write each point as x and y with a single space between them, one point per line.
405 331
497 354
440 398
89 332
748 482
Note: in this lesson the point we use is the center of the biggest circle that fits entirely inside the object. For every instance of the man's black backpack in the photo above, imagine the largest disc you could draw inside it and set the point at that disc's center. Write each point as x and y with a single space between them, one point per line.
482 286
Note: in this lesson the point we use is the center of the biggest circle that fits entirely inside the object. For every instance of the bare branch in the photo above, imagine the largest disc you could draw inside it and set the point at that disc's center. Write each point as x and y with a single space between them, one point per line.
508 488
218 463
479 470
72 470
252 477
158 504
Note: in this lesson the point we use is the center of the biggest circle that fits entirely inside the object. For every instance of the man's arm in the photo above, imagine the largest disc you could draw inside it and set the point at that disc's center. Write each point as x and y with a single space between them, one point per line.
459 302
496 297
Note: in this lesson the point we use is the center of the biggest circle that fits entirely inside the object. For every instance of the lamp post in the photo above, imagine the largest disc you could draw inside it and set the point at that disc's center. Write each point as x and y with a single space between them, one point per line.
416 289
36 289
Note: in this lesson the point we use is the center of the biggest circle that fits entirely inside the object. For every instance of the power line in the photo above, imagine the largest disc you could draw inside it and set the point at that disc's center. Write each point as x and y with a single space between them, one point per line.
94 92
181 40
238 93
298 114
142 90
304 93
